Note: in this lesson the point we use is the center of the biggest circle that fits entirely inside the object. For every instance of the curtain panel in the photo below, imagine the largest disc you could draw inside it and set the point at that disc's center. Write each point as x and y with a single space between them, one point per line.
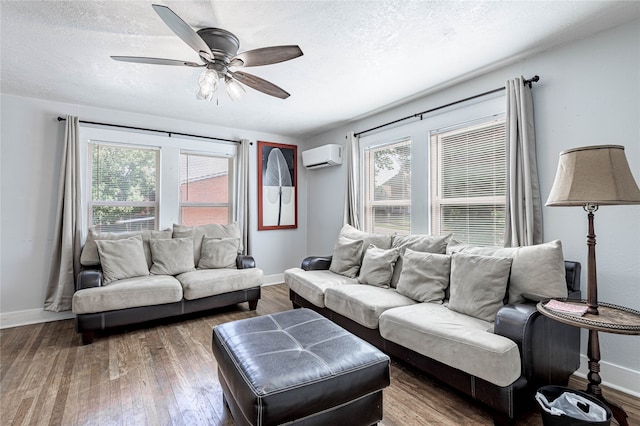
242 194
523 221
352 193
65 258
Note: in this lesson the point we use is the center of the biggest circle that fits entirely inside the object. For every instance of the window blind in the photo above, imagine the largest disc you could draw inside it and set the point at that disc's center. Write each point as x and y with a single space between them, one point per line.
468 172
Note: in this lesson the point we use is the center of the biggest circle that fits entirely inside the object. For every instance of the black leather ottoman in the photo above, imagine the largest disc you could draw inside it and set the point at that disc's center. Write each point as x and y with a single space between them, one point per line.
298 367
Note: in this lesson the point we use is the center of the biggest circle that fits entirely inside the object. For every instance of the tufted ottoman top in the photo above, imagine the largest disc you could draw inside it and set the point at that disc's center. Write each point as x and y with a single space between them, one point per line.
288 365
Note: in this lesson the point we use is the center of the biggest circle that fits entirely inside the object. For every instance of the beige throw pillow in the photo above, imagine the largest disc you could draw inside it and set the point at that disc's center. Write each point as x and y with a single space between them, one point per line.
171 257
478 284
377 266
382 241
420 243
537 271
347 255
90 256
218 253
212 230
425 276
123 258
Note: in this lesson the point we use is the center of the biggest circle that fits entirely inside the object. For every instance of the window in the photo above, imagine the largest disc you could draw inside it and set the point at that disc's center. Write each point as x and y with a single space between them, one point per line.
468 183
123 183
204 189
387 183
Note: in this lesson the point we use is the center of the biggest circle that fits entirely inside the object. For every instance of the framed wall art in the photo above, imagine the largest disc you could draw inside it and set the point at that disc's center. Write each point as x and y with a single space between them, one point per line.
277 186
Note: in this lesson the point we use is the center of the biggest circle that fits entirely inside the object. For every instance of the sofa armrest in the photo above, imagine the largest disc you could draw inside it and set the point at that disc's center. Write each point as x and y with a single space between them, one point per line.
88 278
245 262
315 263
549 350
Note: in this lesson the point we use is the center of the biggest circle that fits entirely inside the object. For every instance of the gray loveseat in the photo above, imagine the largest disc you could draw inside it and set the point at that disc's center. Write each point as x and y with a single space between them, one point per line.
135 277
462 314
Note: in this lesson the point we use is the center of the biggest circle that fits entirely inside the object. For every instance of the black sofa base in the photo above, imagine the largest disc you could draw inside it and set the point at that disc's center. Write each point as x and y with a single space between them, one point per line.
88 324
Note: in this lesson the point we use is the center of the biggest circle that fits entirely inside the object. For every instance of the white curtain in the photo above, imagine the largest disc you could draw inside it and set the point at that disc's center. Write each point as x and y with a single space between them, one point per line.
65 259
524 208
242 194
352 193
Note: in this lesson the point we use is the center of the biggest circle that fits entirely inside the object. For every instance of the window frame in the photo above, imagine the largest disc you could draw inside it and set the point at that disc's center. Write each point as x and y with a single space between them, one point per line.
368 184
167 190
230 185
418 131
437 199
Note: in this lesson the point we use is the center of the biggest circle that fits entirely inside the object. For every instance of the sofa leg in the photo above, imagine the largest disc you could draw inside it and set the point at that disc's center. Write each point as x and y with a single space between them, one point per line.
253 305
87 337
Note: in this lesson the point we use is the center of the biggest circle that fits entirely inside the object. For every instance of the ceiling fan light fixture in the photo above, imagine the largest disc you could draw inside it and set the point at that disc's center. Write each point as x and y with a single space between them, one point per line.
234 89
208 83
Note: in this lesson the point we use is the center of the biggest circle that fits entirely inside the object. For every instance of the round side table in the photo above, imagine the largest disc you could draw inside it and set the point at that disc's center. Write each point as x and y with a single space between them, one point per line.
610 319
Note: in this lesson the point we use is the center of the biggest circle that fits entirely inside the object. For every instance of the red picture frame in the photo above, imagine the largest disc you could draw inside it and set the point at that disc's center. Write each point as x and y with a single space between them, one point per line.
277 186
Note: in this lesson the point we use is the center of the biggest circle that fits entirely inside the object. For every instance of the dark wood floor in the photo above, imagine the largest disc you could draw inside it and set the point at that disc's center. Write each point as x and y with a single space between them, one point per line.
166 375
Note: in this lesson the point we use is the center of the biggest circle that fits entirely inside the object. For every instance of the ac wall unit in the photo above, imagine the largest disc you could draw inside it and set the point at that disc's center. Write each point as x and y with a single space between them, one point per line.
322 156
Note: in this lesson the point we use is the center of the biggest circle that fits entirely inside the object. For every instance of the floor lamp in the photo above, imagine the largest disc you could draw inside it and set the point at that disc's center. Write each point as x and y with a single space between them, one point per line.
590 177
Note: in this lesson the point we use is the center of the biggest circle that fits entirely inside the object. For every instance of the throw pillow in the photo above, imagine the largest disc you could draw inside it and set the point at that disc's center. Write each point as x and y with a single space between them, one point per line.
382 241
123 258
218 253
172 257
537 271
425 276
213 230
346 258
377 266
421 243
90 256
478 284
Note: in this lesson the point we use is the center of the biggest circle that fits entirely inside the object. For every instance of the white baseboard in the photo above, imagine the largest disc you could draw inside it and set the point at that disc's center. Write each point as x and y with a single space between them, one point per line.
31 316
273 279
614 376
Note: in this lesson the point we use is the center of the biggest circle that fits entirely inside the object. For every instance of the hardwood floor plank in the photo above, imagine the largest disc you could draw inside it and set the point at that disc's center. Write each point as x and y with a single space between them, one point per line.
165 374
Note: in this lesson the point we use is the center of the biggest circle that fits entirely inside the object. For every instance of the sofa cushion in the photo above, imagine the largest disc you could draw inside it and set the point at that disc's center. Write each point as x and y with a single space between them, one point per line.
209 282
425 276
363 303
311 285
127 293
537 271
171 257
455 339
213 230
377 266
347 256
421 243
90 256
122 259
478 284
382 241
218 253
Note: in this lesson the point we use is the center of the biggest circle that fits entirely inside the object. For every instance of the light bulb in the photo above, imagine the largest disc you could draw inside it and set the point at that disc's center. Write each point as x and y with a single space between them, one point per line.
234 89
208 83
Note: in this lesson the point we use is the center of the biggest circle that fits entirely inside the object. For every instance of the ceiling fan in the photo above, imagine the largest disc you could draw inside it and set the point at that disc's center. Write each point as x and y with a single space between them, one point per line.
218 51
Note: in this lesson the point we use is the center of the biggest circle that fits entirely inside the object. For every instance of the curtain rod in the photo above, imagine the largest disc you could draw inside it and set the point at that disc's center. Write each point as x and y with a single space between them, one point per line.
170 134
528 82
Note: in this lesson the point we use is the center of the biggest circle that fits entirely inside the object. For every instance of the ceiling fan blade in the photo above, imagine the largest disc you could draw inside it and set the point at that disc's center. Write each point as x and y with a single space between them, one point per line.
155 61
259 84
266 56
183 30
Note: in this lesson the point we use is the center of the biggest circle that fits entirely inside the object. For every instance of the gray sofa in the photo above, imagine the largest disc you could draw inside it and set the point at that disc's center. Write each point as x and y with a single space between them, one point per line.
141 276
432 310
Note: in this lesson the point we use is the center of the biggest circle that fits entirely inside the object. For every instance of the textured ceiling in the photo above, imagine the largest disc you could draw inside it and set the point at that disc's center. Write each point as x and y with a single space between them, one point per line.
358 55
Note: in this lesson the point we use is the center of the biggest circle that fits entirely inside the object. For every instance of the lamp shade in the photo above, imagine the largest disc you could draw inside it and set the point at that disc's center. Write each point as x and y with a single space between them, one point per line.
598 175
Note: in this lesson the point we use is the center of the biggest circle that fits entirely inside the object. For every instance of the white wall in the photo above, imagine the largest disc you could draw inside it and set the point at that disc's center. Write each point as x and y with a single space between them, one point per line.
589 94
31 152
